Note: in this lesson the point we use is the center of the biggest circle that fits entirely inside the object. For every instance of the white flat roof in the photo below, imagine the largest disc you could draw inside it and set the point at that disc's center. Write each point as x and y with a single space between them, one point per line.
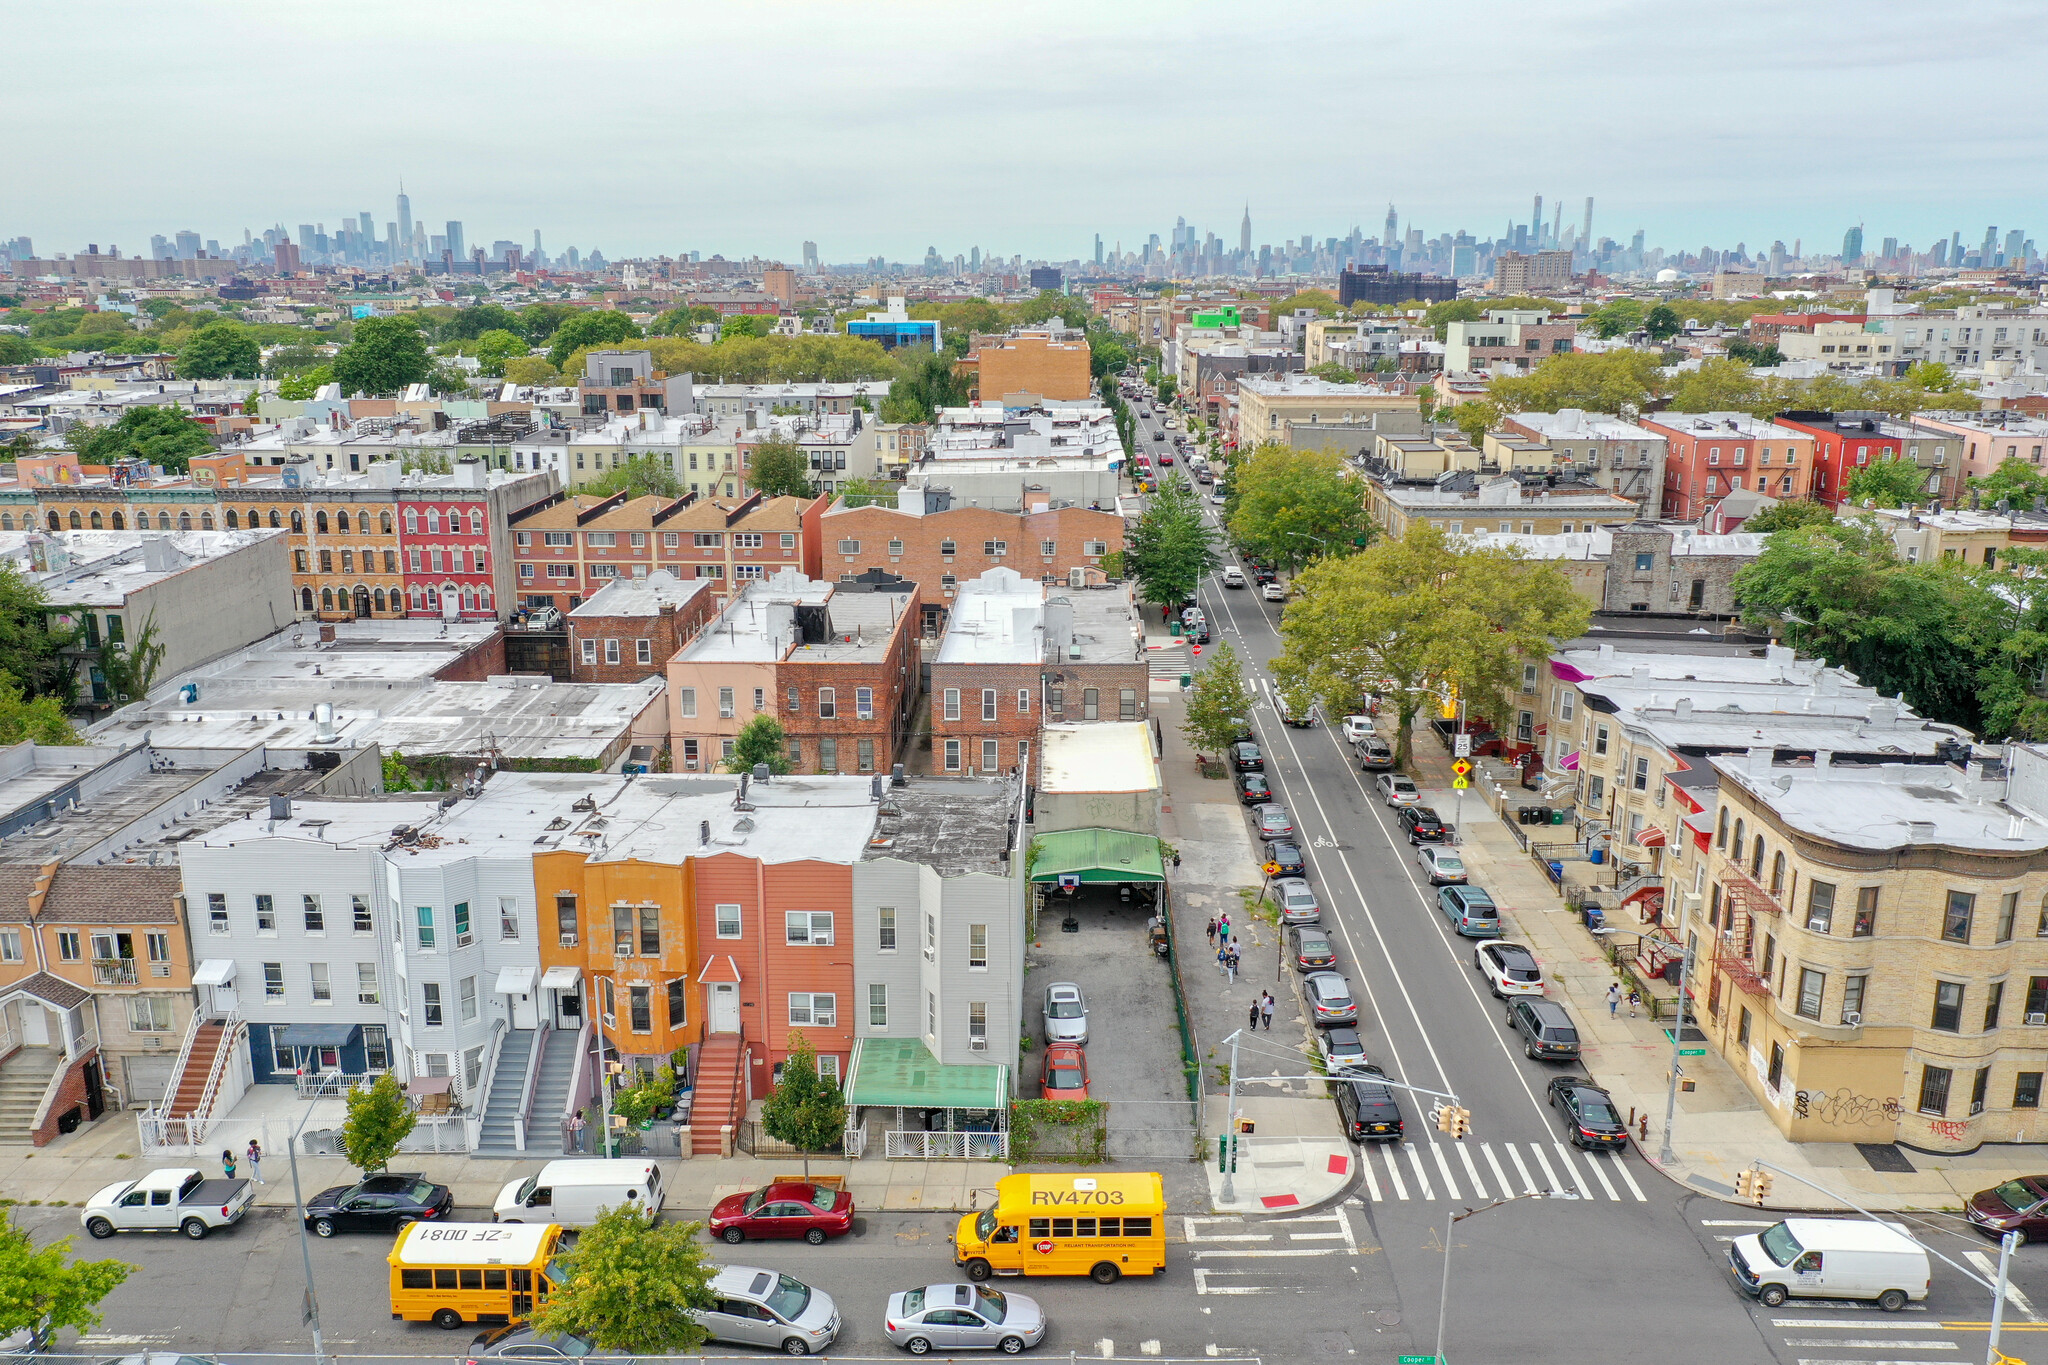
1101 756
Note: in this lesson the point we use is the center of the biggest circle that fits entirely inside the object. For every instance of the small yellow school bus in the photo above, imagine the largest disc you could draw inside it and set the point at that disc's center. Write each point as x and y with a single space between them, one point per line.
1105 1226
452 1273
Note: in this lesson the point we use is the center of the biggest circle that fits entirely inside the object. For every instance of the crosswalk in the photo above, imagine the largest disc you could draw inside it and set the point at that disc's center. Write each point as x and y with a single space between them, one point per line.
1487 1170
1866 1340
1233 1256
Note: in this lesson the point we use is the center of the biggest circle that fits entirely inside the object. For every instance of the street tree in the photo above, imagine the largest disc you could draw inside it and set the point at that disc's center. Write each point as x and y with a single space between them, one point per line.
780 469
1170 548
628 1283
1419 621
220 350
1293 506
1890 482
530 369
1219 699
2015 482
497 346
1720 384
760 740
1611 381
641 476
804 1109
1617 318
43 1290
383 355
378 1120
42 719
1474 418
602 327
1789 516
1662 322
31 650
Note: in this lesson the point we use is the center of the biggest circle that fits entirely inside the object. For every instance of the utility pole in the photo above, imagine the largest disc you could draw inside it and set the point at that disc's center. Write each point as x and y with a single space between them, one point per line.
1450 1220
1665 1156
311 1312
1229 1144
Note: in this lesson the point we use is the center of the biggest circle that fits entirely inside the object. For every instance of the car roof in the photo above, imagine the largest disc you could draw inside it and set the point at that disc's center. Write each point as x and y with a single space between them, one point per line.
1064 989
1312 931
1548 1010
1470 894
1507 949
1062 1048
1328 981
1422 812
742 1281
1290 883
1290 846
1273 808
1344 1034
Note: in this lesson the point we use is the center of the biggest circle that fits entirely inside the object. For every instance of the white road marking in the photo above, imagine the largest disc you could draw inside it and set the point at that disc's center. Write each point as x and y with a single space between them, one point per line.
1394 1173
1846 1323
1549 1176
1621 1165
1600 1174
1108 1348
2013 1294
1472 1170
1148 1348
1873 1344
1421 1176
1444 1164
1528 1181
1735 1223
1372 1182
1498 1174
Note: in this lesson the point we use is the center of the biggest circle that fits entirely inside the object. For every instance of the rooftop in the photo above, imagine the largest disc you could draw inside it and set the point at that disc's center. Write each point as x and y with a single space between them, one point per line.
1726 424
643 596
103 568
1578 424
1507 492
793 617
1100 756
1887 806
954 824
997 618
1309 386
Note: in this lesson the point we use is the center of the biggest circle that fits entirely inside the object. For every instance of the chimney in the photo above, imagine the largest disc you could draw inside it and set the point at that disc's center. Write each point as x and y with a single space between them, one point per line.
1780 655
1823 760
1920 831
1883 712
1757 765
1606 652
1682 708
323 723
280 808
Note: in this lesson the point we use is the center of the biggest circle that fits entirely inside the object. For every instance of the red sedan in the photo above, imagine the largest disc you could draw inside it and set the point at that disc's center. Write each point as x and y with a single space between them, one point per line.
1066 1072
792 1208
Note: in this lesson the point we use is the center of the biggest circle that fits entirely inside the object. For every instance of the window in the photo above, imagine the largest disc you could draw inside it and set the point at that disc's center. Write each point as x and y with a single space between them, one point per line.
266 915
866 755
828 703
864 703
273 981
359 914
977 1027
931 936
1023 701
464 934
977 947
1866 912
988 703
1596 791
2008 910
1600 747
952 755
67 947
650 931
1090 702
807 927
1813 986
639 1003
1955 921
10 945
1852 999
425 916
878 1004
885 929
430 999
686 702
725 703
793 700
814 1008
366 983
149 1014
1994 1000
727 919
1048 548
1948 1007
2026 1090
946 548
678 1003
989 760
565 919
1820 906
589 651
849 547
1934 1082
323 991
1978 1089
611 651
952 700
828 755
622 931
931 1013
508 919
465 991
1742 1029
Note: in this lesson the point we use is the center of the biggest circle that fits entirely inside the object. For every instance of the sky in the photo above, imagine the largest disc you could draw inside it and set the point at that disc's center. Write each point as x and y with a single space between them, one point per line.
884 127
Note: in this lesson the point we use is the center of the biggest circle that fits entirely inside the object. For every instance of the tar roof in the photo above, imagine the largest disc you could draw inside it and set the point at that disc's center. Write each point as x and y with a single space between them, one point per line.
954 824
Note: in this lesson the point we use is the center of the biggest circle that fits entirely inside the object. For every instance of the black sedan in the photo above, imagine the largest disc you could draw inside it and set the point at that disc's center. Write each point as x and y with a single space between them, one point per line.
1420 823
1246 758
1590 1119
1252 789
1284 860
378 1203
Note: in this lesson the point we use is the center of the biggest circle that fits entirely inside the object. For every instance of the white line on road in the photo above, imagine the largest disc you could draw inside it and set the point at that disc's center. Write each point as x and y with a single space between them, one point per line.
1344 1222
2013 1294
1444 1164
1421 1176
1873 1344
1498 1174
1735 1223
1601 1175
1202 1286
1528 1181
1264 1252
1478 1185
1804 1361
1372 1182
1550 1181
1317 1237
1148 1348
1108 1347
1621 1165
1394 1174
1846 1323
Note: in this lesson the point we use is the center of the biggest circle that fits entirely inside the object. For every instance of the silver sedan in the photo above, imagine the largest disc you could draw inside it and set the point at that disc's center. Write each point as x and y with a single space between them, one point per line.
963 1317
1066 1013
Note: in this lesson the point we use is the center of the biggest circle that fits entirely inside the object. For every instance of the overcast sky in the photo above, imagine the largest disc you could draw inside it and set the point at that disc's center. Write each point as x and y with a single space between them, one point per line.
886 126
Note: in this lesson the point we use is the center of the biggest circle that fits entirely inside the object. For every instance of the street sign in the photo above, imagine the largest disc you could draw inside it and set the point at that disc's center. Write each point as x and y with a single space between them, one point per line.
1461 767
1463 747
1415 1360
1692 1052
1461 783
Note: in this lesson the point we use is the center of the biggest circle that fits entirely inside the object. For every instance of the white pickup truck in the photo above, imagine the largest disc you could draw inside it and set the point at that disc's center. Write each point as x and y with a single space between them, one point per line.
184 1200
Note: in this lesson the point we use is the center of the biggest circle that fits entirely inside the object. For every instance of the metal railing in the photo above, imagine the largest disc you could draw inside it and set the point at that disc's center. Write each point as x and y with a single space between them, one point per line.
328 1083
223 1058
476 1104
114 971
921 1146
178 1068
528 1084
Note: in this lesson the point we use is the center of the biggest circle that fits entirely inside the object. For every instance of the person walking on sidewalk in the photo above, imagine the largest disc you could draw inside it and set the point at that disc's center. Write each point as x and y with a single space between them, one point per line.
1223 928
1231 964
227 1162
1634 999
1254 1023
1266 1009
255 1155
1212 931
1223 962
1613 998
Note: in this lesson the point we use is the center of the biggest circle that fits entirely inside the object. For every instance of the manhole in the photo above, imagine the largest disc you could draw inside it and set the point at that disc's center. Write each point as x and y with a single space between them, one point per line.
1883 1156
1387 1317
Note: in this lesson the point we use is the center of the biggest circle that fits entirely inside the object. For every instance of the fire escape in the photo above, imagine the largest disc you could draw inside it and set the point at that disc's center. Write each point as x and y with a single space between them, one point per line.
1743 901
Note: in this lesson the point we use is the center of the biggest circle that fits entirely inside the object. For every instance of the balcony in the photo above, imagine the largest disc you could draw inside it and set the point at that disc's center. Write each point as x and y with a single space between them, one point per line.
114 971
1744 892
1741 972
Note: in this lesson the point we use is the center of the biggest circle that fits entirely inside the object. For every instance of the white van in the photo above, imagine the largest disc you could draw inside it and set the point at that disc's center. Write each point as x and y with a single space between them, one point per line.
1831 1258
572 1192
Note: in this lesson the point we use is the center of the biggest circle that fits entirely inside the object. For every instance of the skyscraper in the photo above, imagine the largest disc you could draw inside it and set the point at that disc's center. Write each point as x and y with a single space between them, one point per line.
1536 224
2016 247
455 244
811 257
1852 245
1244 234
401 240
1098 248
1393 228
540 258
1586 229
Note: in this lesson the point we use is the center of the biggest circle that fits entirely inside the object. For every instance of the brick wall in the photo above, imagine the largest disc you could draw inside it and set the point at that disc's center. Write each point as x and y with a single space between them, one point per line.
1010 727
478 662
913 547
593 640
70 1095
894 678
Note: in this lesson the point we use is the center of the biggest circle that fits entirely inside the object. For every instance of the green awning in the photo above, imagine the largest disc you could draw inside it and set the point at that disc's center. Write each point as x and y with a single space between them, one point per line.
1097 855
891 1073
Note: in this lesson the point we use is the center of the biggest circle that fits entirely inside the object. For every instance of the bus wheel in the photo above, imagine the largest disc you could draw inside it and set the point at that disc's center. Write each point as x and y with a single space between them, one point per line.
977 1269
1104 1273
447 1319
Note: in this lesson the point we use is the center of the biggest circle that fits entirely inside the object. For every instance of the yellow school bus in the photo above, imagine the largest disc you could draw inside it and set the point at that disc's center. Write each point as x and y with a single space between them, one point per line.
452 1273
1106 1225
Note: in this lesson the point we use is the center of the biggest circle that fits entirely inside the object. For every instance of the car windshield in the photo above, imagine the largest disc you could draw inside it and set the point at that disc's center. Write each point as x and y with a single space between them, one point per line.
985 1225
1063 1009
526 1190
1779 1244
754 1201
992 1304
573 1347
789 1298
2016 1196
1063 1076
1300 898
1448 862
822 1198
1561 1033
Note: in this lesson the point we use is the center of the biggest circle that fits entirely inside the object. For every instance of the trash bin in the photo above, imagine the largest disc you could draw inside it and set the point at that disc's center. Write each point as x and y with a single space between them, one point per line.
1557 816
1556 871
1596 855
1595 917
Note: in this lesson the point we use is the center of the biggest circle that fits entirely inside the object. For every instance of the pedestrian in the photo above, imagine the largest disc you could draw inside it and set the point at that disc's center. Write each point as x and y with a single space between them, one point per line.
1613 998
227 1162
1232 964
1212 931
1223 928
1266 1009
255 1155
1222 962
1254 1021
1634 999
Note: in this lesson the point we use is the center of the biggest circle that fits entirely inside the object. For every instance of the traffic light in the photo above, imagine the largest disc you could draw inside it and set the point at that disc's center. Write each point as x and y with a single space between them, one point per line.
1453 1119
1753 1184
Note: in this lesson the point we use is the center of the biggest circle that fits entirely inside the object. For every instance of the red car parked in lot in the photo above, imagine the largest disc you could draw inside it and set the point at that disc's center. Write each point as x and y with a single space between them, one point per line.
793 1208
1066 1072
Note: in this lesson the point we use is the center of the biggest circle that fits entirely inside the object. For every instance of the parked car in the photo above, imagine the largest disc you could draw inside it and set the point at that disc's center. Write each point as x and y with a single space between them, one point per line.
1204 476
1329 999
1342 1048
1245 757
1233 577
173 1199
1298 904
2019 1205
1066 1013
1066 1073
1396 789
787 1208
1419 823
1252 789
1283 859
1509 968
1241 729
963 1317
517 1341
1470 910
1311 947
1219 495
1357 728
1590 1120
1275 822
1547 1032
1369 1111
1375 755
1165 458
1274 591
378 1203
755 1307
1441 865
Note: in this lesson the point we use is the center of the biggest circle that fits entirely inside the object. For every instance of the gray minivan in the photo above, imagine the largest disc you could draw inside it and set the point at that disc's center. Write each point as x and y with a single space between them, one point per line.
1470 910
1548 1034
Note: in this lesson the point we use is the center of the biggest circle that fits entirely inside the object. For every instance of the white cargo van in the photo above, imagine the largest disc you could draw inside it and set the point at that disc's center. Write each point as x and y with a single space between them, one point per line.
1831 1258
571 1192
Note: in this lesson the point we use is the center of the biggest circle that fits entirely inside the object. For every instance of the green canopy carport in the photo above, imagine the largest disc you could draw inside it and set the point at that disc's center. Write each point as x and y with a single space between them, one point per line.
901 1073
1096 855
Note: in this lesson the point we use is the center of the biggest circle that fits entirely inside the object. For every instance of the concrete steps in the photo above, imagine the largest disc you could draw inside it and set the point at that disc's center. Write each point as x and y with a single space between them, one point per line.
501 1106
23 1079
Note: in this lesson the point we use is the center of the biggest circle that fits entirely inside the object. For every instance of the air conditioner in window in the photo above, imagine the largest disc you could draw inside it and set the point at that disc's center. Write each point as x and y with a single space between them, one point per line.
977 1044
568 940
622 950
1852 1018
2037 1018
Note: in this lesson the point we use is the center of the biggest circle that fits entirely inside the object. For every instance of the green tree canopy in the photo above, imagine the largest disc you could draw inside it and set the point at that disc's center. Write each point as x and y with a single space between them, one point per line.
1170 548
1717 385
2015 481
293 360
465 324
378 1120
297 388
1616 318
494 348
780 469
44 1289
1474 418
530 370
164 436
30 650
760 740
539 320
930 383
1789 516
1219 699
676 321
1330 372
804 1109
1291 506
220 350
740 326
640 476
43 719
384 355
1322 300
1609 381
1662 322
593 329
1890 482
627 1283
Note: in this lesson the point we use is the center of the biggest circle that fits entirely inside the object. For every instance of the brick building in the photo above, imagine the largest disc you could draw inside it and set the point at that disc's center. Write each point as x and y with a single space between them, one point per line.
1517 338
1844 442
569 549
1048 363
633 627
1711 453
626 381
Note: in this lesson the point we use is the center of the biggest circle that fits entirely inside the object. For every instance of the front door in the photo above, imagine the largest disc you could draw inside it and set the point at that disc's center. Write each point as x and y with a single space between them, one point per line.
95 1093
35 1025
525 1013
725 1007
225 1001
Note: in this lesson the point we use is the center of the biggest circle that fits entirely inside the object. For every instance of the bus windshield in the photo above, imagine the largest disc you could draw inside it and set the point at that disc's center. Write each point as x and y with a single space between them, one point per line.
985 1225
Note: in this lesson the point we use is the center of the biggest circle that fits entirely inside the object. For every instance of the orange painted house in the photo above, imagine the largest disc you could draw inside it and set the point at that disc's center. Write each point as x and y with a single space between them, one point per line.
625 928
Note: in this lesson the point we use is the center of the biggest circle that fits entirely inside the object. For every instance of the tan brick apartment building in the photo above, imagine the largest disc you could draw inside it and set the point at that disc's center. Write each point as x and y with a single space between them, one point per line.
633 627
1032 362
572 548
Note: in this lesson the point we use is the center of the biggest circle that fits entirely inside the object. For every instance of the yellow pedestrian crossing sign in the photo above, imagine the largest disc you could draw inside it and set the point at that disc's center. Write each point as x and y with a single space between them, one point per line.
1461 767
1461 783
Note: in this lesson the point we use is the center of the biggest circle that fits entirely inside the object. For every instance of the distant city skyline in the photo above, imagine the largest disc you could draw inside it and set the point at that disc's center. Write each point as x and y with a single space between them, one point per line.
1760 122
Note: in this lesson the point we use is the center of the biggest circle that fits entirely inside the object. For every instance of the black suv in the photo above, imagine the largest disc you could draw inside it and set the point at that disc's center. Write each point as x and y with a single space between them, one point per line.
1589 1117
1252 789
1420 823
1548 1033
1246 758
1370 1112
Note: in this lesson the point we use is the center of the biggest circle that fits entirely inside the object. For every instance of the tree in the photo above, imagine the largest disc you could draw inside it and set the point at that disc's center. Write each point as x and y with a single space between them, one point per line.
2015 482
288 360
929 384
31 652
130 669
1474 417
1293 505
1750 353
539 320
1662 323
42 719
602 327
398 773
760 740
780 469
1322 300
447 379
675 321
804 1109
496 347
17 350
1789 516
378 1120
221 350
1419 622
741 325
1718 385
868 493
164 436
1170 548
1610 381
383 356
1617 318
1932 376
1217 702
1106 355
43 1290
1890 482
627 1283
1330 372
529 370
640 476
466 323
297 388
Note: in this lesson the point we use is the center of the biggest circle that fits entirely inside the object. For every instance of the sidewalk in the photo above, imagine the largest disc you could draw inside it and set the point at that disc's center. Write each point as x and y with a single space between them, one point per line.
1720 1126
